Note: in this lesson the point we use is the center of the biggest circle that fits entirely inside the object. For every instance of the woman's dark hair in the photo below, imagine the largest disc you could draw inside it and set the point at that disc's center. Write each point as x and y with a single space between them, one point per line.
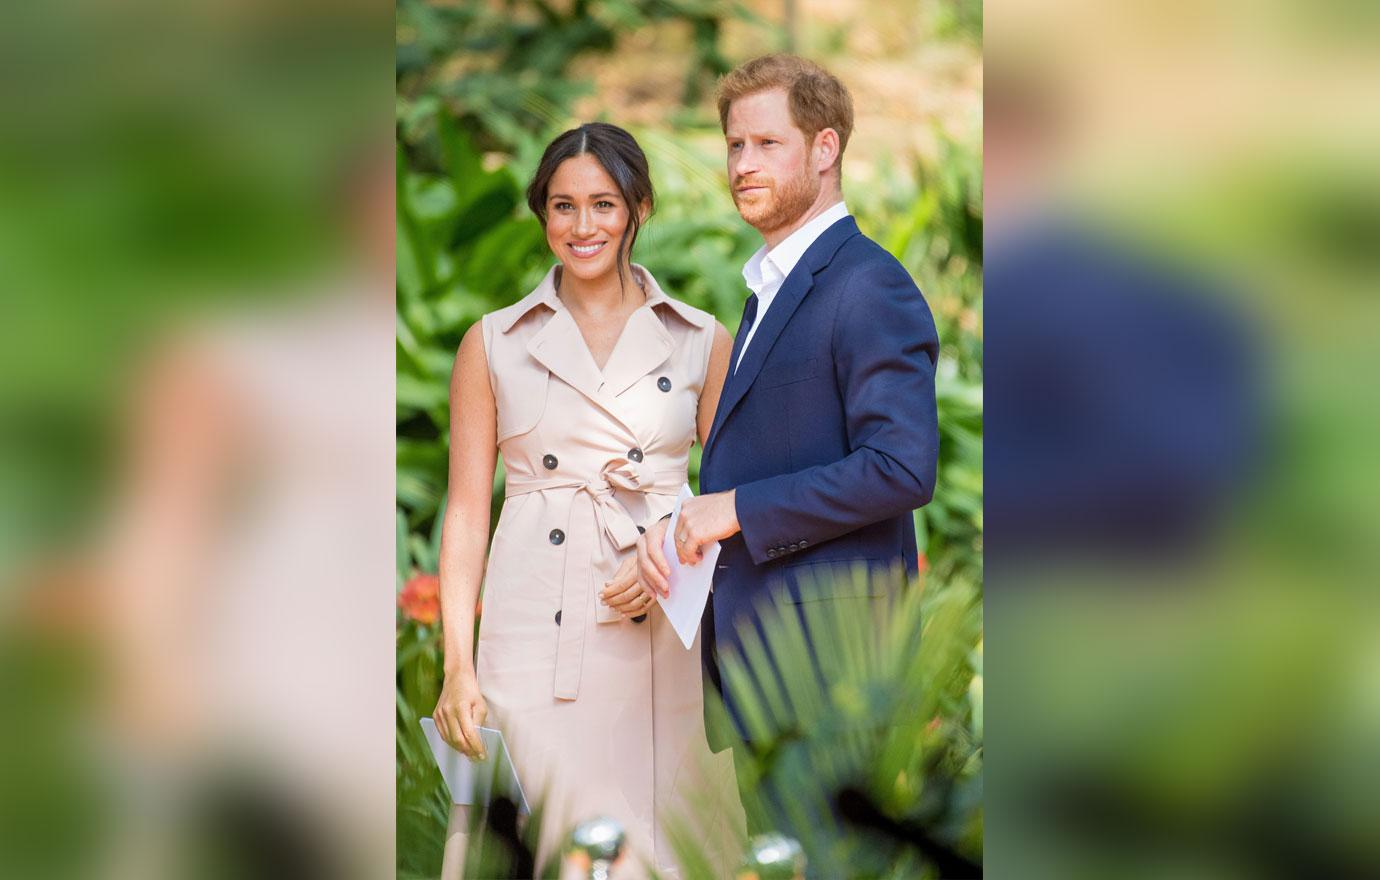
619 155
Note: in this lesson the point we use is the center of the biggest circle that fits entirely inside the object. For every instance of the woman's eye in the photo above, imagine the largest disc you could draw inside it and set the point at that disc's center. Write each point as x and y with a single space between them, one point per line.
561 206
603 204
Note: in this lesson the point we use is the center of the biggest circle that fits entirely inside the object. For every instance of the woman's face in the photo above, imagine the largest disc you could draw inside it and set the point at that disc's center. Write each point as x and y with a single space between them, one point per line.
585 218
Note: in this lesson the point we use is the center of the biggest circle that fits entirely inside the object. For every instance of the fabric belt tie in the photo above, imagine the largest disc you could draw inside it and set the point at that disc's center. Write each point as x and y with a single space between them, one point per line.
605 515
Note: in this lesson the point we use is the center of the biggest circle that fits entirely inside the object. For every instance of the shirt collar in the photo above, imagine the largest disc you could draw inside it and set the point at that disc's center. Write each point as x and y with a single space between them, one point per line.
785 255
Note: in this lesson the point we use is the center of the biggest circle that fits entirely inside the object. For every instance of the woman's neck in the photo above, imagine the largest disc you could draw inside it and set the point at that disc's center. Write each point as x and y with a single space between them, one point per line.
600 296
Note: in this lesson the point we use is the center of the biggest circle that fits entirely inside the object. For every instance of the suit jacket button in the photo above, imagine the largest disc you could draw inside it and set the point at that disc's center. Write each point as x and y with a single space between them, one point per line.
557 536
635 454
549 462
804 544
793 547
558 618
663 383
639 618
771 554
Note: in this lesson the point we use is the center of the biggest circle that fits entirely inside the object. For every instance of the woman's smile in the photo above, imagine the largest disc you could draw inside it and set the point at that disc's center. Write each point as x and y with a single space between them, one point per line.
585 250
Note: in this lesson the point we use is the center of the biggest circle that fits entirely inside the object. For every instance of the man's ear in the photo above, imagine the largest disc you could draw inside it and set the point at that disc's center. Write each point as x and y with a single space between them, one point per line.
826 149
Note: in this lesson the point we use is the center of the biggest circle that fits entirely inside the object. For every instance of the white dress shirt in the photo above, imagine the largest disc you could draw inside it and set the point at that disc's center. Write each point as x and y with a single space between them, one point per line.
766 271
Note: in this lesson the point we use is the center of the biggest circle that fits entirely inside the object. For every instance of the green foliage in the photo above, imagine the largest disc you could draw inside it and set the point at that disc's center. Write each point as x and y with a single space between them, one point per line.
878 722
481 91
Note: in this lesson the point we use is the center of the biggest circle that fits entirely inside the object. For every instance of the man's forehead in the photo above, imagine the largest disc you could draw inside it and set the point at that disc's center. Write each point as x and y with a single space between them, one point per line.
760 110
761 129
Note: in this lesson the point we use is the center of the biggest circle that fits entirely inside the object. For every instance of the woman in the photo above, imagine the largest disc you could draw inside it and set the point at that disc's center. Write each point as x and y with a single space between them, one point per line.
593 387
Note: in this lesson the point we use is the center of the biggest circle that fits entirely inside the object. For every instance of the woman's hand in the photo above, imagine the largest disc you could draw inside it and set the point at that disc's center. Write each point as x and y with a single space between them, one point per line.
650 561
625 592
460 712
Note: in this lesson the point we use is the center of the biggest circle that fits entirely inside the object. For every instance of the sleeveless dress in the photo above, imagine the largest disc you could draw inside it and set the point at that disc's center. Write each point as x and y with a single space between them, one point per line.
603 715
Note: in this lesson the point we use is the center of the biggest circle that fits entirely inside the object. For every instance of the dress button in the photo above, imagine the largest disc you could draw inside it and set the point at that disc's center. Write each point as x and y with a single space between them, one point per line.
663 383
558 618
557 536
641 530
549 462
635 454
639 618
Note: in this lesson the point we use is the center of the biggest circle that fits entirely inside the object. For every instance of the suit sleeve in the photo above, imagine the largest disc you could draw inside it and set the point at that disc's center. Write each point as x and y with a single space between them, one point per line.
885 350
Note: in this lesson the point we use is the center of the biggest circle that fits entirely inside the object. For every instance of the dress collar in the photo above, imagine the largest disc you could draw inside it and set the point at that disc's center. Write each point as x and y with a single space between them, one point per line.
545 295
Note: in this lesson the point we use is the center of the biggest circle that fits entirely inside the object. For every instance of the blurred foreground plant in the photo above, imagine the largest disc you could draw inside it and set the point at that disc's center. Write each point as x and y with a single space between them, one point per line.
868 748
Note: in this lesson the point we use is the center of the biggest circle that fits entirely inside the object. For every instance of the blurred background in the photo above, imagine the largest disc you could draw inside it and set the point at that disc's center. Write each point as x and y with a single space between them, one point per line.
1183 228
1187 221
483 87
196 252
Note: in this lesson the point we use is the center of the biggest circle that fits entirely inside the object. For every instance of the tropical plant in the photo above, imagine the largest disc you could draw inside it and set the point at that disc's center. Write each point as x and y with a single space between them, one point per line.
864 719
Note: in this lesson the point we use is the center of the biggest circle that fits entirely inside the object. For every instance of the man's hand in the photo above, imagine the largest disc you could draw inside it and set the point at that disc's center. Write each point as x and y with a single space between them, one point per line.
703 520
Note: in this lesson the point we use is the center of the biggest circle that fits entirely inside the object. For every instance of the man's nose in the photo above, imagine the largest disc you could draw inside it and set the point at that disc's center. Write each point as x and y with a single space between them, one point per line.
746 162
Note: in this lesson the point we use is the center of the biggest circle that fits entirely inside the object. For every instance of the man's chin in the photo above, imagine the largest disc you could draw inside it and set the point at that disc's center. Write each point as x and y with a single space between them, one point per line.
755 215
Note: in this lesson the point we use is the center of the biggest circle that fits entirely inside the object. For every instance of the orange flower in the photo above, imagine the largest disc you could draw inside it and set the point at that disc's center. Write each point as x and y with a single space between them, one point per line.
420 598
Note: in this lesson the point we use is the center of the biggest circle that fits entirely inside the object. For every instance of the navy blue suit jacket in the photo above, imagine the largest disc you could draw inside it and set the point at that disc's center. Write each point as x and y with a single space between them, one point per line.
828 432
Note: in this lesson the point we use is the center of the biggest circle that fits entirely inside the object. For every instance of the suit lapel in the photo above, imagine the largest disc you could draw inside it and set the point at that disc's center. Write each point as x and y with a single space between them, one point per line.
778 315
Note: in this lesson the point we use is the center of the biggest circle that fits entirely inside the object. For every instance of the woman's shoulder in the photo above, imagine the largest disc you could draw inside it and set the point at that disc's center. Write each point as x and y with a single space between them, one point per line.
694 318
504 319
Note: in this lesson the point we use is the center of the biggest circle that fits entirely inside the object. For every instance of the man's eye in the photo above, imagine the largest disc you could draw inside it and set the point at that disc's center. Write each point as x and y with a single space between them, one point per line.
765 142
735 146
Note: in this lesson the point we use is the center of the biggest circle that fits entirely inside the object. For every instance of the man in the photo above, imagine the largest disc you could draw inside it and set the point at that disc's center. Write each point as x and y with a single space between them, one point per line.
825 438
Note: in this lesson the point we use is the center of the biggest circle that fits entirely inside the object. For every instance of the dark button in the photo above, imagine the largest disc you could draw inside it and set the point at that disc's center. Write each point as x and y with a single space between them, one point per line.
641 531
639 618
663 383
794 547
771 554
557 536
804 544
558 618
549 462
635 454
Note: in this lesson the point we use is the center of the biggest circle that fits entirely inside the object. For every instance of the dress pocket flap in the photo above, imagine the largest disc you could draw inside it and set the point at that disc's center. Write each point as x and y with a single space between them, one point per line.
520 399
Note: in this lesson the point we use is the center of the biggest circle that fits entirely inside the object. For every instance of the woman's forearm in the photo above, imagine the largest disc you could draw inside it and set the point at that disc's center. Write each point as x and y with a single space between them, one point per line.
463 545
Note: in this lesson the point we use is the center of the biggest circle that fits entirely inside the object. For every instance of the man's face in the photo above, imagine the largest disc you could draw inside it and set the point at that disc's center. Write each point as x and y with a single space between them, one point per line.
771 169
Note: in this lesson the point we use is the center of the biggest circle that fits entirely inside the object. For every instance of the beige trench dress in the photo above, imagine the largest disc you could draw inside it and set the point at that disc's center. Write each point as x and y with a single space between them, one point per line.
603 715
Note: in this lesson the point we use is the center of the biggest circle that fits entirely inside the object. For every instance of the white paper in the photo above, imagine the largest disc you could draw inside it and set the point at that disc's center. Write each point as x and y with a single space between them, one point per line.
689 583
471 781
